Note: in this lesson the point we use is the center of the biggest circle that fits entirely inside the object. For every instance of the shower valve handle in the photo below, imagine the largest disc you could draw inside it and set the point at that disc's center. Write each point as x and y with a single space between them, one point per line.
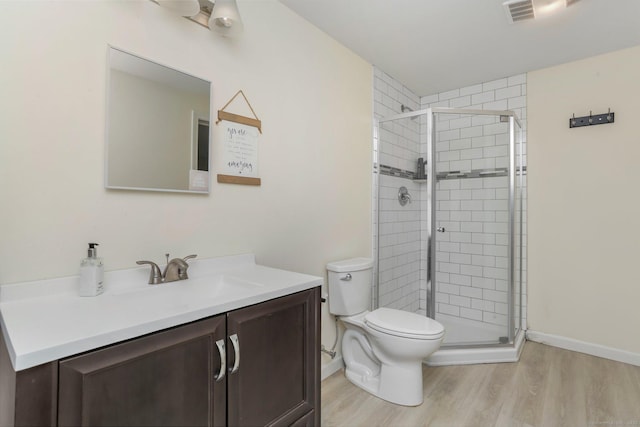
440 229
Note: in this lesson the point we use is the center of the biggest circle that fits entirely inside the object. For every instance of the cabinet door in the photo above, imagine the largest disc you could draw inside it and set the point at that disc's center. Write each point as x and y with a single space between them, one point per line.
28 397
163 379
278 376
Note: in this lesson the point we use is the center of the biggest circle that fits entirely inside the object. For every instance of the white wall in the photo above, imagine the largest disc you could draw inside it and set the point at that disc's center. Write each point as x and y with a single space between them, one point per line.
583 201
314 98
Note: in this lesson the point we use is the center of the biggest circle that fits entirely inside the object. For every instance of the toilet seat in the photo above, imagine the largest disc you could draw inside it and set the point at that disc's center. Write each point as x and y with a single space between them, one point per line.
404 324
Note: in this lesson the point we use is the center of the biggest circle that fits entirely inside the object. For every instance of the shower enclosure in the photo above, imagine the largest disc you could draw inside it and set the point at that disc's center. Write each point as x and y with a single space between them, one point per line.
449 241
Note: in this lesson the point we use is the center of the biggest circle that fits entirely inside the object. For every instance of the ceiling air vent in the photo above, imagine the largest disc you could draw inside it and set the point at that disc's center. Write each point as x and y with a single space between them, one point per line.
518 10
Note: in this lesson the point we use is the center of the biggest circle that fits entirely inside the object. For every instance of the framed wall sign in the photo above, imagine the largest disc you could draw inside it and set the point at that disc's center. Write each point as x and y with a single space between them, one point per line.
239 146
239 154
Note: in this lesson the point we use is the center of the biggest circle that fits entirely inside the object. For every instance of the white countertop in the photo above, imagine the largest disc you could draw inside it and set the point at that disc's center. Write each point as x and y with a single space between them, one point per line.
46 320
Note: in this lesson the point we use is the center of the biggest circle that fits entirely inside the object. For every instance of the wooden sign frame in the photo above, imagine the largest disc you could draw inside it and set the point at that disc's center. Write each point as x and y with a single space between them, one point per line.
236 118
223 115
232 179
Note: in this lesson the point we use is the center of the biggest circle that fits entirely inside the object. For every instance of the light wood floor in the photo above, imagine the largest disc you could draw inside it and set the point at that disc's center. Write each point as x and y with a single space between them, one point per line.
547 387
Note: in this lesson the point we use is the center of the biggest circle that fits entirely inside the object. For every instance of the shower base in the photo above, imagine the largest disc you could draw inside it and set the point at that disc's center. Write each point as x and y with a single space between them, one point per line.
466 332
471 342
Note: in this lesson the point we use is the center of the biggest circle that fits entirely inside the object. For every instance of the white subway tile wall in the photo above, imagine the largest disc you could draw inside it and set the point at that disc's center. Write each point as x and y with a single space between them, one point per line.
472 254
399 246
398 227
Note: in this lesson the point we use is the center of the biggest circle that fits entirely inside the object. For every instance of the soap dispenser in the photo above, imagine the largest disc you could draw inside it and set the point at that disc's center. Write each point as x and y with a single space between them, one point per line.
91 273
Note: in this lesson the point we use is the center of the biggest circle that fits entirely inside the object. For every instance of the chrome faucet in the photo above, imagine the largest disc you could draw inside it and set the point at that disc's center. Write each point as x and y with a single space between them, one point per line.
176 269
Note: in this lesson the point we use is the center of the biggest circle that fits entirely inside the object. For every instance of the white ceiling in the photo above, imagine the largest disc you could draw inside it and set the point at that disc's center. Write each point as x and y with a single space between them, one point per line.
432 46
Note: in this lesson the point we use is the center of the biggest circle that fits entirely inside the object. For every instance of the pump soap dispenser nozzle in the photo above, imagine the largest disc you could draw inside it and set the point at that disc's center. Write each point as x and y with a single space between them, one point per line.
93 252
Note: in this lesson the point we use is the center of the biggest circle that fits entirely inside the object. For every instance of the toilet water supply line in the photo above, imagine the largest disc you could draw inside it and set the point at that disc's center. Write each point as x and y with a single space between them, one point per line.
332 352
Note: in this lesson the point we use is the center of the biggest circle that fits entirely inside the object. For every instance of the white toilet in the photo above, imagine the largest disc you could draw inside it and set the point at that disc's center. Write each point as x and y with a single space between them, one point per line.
382 349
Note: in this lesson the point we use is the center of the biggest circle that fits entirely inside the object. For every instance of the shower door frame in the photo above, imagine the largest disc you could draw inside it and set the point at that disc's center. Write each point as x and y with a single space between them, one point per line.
431 212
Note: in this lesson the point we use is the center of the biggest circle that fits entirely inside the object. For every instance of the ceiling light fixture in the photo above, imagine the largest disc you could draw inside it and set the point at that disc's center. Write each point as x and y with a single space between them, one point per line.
221 17
522 10
543 7
181 7
225 19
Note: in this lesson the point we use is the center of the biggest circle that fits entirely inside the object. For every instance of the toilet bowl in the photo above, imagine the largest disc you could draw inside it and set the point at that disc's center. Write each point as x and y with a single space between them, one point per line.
382 349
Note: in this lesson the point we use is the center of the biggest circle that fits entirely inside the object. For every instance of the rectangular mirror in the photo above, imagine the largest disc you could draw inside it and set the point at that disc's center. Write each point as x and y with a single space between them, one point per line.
157 127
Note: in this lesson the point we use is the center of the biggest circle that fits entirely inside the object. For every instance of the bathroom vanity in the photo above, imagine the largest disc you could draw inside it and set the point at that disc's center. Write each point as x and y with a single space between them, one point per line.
236 344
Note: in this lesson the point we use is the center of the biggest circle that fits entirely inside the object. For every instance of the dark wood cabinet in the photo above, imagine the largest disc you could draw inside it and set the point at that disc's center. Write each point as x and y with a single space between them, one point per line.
278 376
28 397
163 379
172 377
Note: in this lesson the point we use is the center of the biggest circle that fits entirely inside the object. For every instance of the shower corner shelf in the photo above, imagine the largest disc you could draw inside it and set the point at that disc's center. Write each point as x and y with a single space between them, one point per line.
420 180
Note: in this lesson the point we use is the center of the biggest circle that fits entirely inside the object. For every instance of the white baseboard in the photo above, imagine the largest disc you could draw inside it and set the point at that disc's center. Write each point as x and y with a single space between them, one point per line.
585 347
598 350
331 368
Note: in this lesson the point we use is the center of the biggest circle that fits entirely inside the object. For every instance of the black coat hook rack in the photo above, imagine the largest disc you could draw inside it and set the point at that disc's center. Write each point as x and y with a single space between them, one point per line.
590 120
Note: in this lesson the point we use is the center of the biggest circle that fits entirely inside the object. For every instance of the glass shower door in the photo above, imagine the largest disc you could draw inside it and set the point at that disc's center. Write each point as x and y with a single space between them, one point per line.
472 226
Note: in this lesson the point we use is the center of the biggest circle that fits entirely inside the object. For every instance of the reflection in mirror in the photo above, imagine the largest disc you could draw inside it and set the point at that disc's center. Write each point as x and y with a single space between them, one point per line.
157 127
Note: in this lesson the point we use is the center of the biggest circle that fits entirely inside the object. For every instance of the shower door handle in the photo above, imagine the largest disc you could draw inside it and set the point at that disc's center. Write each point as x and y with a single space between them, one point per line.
440 229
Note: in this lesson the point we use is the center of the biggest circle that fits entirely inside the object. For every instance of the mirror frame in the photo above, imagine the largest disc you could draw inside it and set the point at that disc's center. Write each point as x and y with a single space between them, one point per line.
189 143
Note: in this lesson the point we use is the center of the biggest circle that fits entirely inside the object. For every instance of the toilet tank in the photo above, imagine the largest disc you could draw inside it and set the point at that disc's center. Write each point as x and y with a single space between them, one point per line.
350 285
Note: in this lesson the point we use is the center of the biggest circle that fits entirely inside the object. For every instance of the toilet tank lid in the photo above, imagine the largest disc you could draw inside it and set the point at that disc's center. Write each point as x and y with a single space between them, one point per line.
353 264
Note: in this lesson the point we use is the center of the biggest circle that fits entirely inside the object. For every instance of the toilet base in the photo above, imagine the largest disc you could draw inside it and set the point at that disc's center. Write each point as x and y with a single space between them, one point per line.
364 381
384 365
401 385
